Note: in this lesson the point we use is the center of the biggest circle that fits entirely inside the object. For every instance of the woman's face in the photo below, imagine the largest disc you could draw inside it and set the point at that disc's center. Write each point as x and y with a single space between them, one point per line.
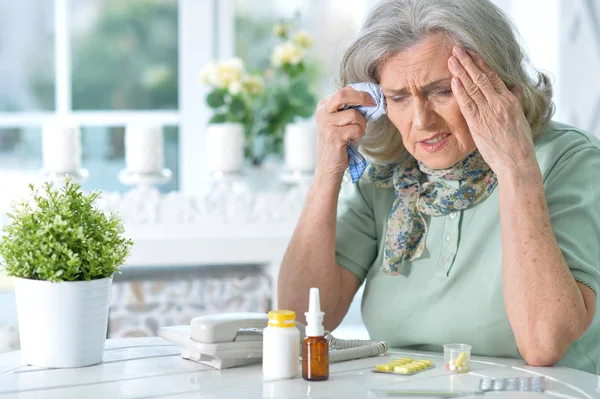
420 103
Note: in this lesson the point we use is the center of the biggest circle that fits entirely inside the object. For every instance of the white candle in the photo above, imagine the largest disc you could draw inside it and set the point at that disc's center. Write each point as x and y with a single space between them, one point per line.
144 149
225 147
61 148
300 147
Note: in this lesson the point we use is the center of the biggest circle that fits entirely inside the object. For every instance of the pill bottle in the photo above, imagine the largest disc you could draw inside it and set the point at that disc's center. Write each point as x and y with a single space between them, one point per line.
315 348
281 345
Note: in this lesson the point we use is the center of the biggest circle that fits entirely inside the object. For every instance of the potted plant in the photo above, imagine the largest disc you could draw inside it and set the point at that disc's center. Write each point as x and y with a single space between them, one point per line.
232 92
287 96
63 253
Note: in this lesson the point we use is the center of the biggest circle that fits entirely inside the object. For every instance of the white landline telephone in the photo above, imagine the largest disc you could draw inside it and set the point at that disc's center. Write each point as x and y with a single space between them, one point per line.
235 339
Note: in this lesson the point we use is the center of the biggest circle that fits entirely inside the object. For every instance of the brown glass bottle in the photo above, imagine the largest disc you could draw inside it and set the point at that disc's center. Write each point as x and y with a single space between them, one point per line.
315 359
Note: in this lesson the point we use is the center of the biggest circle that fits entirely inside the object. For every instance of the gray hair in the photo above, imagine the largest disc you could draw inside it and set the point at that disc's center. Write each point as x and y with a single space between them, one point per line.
477 25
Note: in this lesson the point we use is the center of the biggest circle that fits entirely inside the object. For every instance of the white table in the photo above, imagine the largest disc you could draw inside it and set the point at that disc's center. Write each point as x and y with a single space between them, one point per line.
152 367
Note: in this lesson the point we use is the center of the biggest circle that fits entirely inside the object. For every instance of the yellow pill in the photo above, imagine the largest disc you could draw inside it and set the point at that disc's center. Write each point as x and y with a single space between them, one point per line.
384 367
406 359
421 362
427 362
460 359
402 370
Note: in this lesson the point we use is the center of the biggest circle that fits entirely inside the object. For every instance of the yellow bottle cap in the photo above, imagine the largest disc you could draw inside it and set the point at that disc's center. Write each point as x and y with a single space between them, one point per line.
282 318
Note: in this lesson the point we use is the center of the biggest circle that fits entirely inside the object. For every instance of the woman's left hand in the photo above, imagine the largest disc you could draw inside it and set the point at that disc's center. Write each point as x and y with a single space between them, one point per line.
493 113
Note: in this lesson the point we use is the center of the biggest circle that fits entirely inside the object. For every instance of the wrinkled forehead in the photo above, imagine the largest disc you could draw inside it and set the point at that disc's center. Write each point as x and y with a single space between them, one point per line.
423 62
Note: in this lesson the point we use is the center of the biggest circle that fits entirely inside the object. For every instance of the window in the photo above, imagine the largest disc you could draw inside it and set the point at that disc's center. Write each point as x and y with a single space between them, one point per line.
333 22
103 63
124 54
27 56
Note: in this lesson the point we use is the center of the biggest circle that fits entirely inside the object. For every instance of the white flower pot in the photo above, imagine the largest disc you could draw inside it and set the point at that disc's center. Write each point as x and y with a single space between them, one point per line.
300 147
62 324
225 147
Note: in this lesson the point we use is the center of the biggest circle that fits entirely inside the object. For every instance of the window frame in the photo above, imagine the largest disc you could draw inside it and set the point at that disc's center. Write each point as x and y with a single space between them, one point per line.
212 20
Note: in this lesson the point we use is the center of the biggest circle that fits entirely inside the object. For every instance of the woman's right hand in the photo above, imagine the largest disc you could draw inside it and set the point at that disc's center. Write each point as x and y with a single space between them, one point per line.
336 127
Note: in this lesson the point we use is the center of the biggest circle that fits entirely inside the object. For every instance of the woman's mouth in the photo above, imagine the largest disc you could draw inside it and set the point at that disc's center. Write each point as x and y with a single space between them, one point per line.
436 142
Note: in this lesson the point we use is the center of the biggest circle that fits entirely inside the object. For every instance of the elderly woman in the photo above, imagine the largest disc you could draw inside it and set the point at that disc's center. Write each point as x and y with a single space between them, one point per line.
477 219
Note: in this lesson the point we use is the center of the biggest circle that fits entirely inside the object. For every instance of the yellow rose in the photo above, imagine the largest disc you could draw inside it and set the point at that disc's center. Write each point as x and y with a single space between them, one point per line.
235 88
303 39
229 71
208 74
287 53
253 84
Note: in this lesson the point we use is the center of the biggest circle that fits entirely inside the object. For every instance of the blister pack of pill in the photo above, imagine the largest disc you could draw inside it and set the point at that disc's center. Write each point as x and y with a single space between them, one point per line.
522 384
404 366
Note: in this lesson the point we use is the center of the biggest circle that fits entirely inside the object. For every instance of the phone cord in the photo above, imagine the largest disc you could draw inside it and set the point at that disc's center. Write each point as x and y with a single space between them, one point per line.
349 349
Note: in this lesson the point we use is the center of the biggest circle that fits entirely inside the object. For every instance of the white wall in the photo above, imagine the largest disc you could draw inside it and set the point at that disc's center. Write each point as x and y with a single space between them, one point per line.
580 63
563 39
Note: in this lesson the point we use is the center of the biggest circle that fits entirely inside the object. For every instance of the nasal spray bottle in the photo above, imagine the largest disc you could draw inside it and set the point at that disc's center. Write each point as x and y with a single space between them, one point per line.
315 348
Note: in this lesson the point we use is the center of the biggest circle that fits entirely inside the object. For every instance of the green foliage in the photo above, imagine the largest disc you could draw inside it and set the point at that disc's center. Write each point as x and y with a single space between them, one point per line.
288 94
128 59
282 102
61 236
216 98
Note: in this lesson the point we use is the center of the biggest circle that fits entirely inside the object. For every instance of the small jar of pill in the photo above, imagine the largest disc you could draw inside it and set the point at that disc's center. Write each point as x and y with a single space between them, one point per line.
281 345
457 357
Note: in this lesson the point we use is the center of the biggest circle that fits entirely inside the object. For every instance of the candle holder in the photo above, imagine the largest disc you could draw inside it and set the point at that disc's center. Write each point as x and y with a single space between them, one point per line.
78 176
145 180
232 182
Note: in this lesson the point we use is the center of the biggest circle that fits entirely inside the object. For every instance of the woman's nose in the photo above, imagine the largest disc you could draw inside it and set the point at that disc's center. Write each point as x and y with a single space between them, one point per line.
424 116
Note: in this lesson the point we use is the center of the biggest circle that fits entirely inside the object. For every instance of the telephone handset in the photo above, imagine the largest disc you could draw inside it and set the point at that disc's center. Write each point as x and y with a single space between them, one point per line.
235 339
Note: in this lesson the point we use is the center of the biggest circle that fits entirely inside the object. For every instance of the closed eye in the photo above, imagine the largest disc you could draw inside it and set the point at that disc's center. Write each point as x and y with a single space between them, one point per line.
442 92
399 99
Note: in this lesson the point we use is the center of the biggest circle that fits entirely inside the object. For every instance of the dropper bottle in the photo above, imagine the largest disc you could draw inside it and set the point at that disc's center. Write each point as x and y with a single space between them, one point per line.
315 348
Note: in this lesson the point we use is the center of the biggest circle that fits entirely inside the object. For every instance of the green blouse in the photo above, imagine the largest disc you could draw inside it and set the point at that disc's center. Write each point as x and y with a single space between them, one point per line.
453 293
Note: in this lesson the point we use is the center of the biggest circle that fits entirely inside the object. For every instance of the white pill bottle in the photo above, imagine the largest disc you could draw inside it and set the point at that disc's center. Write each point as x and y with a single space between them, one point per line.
281 345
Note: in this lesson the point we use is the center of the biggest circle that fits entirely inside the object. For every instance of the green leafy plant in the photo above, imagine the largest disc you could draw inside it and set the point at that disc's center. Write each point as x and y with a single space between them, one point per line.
287 94
61 236
232 94
232 91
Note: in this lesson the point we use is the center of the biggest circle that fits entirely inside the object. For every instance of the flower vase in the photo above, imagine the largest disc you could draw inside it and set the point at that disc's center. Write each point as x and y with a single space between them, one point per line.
225 147
300 148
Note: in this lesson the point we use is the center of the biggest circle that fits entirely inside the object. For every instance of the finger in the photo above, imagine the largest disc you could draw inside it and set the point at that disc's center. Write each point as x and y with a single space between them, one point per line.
348 97
348 117
350 133
477 75
472 89
465 102
493 77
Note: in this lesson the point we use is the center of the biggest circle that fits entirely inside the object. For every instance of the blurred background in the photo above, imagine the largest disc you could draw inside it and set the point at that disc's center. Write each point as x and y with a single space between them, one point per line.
106 63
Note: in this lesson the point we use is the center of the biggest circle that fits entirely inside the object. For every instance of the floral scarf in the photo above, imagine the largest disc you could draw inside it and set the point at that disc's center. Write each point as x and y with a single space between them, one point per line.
407 230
